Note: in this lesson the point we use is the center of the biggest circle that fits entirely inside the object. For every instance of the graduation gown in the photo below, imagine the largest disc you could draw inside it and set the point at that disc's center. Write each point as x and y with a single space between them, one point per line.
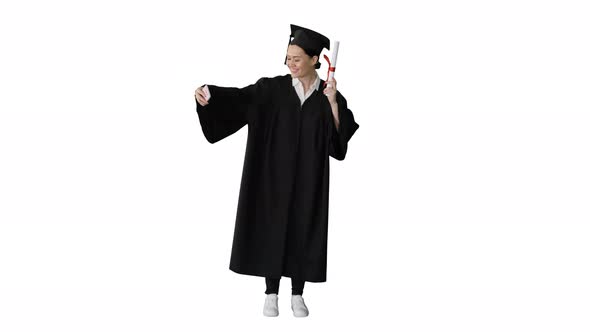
281 227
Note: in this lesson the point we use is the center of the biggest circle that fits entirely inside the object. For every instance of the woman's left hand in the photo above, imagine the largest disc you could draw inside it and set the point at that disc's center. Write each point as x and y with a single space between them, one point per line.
330 91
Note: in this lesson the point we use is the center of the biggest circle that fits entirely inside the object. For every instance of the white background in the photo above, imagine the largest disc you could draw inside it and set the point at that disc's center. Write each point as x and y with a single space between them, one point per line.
462 205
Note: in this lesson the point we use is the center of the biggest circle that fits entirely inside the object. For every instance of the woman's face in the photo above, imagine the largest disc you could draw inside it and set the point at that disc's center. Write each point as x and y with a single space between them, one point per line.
300 64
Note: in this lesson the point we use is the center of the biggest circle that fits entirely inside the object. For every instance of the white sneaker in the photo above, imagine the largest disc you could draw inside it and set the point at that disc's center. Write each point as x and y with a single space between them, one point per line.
271 306
298 306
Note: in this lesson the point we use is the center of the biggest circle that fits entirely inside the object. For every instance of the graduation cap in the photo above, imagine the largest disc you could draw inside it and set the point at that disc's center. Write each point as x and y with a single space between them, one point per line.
310 41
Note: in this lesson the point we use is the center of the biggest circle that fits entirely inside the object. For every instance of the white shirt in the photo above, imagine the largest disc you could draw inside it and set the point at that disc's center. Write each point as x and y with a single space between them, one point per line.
299 88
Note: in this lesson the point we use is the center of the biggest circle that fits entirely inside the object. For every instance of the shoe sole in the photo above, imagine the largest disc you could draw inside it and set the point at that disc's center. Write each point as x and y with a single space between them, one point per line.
299 315
270 314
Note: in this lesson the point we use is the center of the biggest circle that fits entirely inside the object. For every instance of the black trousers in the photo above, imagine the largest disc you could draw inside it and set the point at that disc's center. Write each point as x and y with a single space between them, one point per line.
272 286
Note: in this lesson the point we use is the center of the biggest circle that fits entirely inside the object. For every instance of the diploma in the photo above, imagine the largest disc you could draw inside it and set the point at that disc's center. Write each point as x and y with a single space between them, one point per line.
332 64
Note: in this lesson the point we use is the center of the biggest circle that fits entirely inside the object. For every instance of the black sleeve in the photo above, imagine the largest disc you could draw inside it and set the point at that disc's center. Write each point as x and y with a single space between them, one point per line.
340 137
228 109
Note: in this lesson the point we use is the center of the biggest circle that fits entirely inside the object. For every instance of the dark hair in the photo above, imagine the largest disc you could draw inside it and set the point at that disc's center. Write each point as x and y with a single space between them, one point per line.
311 55
318 64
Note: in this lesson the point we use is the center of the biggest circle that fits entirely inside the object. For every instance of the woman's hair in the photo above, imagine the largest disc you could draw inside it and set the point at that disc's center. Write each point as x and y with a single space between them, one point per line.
311 55
318 64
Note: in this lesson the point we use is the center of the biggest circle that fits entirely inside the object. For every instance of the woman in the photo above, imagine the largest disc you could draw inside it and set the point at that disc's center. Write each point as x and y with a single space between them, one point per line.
293 128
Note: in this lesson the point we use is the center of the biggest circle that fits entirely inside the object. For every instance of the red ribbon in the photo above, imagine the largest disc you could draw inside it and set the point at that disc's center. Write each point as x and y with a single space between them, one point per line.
330 69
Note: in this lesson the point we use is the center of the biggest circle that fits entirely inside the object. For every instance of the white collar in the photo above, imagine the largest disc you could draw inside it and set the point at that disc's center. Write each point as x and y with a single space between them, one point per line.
315 84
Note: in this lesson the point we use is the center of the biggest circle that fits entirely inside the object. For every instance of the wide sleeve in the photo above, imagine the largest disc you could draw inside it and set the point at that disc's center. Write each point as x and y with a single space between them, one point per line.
228 109
339 137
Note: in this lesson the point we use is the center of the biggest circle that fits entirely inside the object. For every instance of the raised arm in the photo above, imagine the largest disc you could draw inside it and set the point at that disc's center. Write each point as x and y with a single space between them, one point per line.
227 110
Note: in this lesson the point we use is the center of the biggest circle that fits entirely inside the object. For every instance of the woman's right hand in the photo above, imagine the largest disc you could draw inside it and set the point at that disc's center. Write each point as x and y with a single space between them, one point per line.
200 97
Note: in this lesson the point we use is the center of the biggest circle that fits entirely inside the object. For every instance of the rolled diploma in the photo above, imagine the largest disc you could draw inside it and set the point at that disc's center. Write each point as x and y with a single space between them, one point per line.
333 62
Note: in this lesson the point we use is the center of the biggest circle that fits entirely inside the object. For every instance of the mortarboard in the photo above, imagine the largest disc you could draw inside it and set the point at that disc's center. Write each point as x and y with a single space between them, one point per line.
310 41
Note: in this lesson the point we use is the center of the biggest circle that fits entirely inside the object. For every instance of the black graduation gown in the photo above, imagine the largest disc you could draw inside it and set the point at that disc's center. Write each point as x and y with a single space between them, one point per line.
281 227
